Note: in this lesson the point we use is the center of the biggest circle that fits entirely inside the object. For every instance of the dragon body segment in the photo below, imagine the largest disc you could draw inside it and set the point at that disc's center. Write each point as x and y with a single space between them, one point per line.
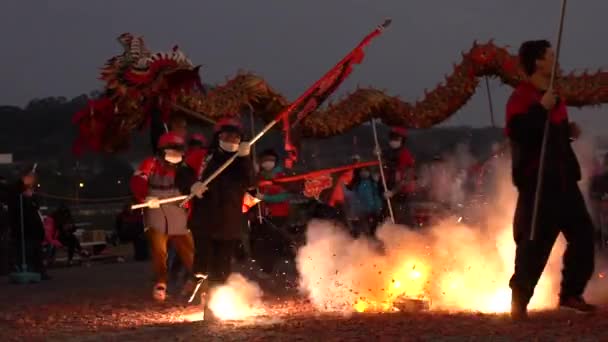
138 80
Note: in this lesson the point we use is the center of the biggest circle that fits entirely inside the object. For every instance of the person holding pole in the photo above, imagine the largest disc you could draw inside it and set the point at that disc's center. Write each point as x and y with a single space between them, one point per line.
398 169
217 220
561 207
25 222
151 182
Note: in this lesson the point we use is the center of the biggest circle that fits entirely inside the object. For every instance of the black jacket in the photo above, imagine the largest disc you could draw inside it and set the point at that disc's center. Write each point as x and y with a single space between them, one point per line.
526 119
32 222
219 213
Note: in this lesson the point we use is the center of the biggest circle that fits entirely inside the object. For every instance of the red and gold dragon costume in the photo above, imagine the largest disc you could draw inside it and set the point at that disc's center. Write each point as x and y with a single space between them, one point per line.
134 83
136 79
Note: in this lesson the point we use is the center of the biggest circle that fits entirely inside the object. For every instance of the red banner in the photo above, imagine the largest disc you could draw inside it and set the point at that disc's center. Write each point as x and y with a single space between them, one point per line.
322 89
318 173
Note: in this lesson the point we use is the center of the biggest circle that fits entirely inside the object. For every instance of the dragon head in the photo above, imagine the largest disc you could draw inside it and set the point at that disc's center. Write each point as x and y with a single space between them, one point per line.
135 80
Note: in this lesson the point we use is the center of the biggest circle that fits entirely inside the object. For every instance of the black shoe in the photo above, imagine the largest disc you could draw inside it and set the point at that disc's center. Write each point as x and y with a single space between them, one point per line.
519 312
209 316
45 276
576 304
519 308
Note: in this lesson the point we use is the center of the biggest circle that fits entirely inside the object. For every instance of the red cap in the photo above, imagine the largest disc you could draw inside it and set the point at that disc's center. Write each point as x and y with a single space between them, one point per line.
400 131
171 140
198 138
229 121
229 124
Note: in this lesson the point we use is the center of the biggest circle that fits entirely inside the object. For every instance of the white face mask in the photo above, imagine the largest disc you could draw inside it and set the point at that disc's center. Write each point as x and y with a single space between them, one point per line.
376 177
268 165
229 147
173 157
395 143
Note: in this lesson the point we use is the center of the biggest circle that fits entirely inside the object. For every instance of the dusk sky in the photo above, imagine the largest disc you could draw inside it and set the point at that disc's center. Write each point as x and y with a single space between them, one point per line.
55 48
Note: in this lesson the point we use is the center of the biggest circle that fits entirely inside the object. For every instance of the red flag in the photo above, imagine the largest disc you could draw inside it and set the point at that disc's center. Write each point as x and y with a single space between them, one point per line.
323 88
249 201
318 174
320 91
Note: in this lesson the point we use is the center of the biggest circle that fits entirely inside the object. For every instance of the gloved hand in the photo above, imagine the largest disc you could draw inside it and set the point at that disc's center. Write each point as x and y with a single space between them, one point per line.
388 194
244 149
377 151
153 202
198 189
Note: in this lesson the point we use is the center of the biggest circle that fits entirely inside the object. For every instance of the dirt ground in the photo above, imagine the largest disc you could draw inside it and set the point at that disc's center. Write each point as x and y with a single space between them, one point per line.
111 302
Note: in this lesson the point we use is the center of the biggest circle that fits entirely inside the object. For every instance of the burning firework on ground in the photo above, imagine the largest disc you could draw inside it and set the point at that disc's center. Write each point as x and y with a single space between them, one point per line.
238 299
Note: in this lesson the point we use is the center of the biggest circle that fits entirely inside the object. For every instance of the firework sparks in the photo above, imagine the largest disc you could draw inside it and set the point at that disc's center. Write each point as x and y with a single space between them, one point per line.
454 266
239 299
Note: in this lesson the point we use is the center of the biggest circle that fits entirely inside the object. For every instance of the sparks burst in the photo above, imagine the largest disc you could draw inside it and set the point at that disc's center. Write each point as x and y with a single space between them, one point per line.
452 266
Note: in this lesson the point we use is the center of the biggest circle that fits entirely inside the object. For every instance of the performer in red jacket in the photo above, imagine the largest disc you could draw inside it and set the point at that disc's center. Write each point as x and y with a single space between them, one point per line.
154 180
400 176
562 208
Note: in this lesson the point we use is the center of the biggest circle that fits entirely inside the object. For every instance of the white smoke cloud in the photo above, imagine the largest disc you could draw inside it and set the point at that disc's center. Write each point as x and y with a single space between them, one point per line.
445 180
455 266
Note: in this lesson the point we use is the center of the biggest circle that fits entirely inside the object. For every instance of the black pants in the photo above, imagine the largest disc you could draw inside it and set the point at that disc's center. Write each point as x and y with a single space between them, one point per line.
141 249
34 256
70 241
372 221
401 209
563 212
213 257
5 257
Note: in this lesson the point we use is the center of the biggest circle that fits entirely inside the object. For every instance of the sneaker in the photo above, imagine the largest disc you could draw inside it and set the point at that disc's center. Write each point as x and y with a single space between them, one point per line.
160 292
199 277
576 304
198 282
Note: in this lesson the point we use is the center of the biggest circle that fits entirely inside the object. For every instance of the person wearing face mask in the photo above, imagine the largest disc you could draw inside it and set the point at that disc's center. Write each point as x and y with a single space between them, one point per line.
33 227
153 181
368 195
399 172
217 220
194 157
275 206
175 123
